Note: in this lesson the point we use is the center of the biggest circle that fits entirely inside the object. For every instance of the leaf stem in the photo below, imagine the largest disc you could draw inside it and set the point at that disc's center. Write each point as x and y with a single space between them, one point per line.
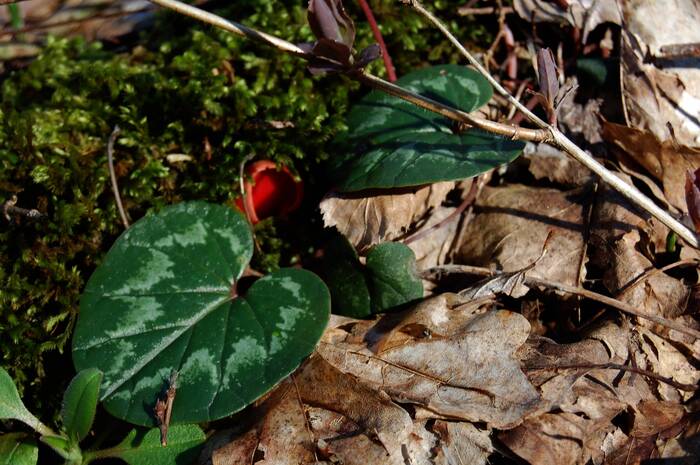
563 142
390 71
113 176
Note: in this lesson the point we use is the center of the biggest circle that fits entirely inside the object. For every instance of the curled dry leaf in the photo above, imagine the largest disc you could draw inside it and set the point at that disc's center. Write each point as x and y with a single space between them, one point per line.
470 374
512 224
280 438
583 14
665 161
624 242
692 196
368 218
323 385
663 90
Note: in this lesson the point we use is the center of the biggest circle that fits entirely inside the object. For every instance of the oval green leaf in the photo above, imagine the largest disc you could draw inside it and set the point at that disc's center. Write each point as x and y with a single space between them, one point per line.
392 275
162 300
345 277
11 406
392 143
18 449
144 448
80 403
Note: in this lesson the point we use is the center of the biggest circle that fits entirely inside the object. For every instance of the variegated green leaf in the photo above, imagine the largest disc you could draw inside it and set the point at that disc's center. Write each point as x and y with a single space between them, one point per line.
392 143
165 298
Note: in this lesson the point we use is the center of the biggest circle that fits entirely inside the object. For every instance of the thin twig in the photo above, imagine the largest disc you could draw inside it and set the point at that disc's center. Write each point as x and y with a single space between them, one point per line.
534 281
564 142
390 71
617 366
113 176
241 181
468 200
487 10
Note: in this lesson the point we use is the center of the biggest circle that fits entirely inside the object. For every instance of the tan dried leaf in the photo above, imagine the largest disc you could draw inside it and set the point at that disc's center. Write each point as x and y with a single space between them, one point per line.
471 375
665 161
583 14
461 443
661 91
512 224
323 385
368 218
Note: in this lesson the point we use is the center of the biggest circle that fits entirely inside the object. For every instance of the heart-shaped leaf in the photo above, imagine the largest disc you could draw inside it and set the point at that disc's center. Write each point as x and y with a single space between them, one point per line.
167 298
346 279
18 449
11 406
392 143
387 280
144 447
80 403
392 276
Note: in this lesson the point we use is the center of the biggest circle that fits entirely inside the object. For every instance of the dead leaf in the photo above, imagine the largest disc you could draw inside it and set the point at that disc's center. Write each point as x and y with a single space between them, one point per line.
547 162
665 161
661 91
323 385
281 437
461 443
368 218
584 14
624 242
511 225
666 360
651 417
470 375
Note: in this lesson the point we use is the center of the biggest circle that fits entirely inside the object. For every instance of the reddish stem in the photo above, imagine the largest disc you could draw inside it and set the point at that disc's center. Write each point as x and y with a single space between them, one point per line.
390 72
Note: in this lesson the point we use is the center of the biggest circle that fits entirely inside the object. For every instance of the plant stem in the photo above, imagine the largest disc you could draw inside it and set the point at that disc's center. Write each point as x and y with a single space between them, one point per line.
507 130
390 71
563 142
113 176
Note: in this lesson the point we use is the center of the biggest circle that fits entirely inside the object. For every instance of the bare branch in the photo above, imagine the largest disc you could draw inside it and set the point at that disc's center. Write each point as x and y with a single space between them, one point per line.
563 142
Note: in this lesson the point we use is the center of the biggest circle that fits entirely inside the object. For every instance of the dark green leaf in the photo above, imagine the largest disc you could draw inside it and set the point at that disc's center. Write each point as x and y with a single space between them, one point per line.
17 449
392 143
346 280
162 300
80 403
144 448
391 269
11 406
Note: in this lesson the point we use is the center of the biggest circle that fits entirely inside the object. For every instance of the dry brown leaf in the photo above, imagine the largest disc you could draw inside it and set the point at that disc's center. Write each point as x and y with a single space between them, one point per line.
323 385
665 161
470 375
239 450
583 14
666 360
366 219
512 224
548 439
624 241
651 417
664 90
281 437
547 162
461 443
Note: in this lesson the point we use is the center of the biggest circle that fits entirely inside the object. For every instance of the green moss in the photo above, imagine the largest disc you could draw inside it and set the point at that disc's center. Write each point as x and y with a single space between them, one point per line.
188 89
